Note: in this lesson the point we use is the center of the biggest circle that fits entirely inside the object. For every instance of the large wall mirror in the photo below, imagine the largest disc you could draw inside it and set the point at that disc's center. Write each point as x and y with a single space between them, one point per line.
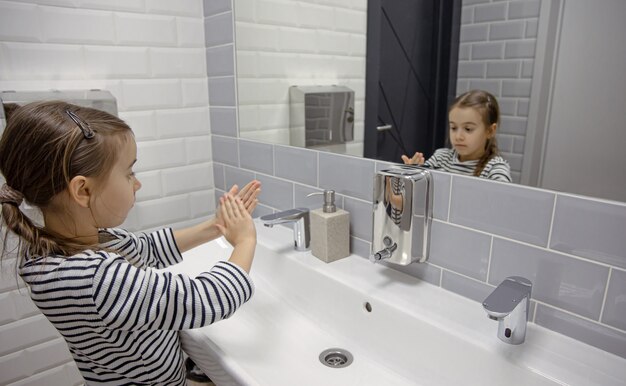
556 66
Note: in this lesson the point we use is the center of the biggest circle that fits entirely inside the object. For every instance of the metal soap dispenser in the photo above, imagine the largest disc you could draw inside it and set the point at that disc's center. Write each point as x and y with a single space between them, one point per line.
330 230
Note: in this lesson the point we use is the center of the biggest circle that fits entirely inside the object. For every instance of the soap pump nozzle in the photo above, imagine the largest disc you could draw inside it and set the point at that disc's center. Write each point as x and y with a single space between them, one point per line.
329 200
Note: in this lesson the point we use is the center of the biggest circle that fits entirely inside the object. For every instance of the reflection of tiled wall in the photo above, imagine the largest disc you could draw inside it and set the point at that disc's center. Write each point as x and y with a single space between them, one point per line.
286 43
497 54
571 247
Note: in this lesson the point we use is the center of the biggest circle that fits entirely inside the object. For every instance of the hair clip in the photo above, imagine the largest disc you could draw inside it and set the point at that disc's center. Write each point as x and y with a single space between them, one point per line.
83 126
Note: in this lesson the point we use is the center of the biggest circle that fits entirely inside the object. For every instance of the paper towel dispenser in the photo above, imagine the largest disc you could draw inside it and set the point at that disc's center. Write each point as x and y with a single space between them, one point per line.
320 115
95 98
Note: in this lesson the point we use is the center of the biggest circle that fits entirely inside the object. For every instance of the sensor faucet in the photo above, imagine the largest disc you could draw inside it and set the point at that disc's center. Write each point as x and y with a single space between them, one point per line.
508 304
300 219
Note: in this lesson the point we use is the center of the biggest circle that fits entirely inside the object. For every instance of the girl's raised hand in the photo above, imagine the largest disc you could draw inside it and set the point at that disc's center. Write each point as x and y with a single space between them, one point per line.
248 196
237 226
417 159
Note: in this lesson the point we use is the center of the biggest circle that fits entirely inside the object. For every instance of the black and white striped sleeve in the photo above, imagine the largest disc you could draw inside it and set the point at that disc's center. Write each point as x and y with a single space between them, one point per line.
499 171
157 249
128 298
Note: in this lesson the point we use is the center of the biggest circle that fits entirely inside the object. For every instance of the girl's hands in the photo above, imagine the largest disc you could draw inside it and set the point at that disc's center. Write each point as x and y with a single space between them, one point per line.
238 227
248 196
417 159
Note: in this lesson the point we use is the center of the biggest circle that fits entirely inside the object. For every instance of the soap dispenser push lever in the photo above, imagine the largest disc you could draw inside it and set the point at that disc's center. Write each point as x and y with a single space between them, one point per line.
508 304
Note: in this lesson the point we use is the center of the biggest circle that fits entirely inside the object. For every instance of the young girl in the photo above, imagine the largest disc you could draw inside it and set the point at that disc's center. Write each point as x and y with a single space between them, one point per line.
474 117
94 282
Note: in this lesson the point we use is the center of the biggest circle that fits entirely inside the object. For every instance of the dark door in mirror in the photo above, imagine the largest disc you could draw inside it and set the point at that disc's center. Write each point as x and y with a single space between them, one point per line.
412 54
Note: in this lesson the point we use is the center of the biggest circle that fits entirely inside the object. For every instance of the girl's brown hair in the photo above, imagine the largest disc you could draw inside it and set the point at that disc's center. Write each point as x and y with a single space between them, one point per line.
44 146
487 105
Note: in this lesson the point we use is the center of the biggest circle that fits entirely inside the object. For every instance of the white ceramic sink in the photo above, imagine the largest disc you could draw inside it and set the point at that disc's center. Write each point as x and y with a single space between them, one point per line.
400 330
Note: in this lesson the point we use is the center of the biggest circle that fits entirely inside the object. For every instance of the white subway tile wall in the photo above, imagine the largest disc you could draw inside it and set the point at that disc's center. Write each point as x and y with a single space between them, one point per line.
151 55
497 52
284 43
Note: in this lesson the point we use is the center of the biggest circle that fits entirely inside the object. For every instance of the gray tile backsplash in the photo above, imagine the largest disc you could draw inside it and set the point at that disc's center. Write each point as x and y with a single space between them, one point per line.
591 229
571 284
224 121
503 209
615 304
482 232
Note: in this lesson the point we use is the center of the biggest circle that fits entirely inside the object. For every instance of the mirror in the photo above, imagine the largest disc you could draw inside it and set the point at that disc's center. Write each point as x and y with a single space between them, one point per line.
561 111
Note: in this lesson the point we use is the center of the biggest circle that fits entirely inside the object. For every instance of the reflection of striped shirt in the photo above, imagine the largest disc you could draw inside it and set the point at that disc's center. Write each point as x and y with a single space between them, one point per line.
447 160
119 317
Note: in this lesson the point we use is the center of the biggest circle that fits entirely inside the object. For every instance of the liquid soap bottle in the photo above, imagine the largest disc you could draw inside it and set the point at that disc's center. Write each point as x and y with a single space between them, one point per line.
330 230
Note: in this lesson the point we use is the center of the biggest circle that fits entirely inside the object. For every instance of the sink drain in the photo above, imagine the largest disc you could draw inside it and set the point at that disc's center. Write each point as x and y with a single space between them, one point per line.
336 358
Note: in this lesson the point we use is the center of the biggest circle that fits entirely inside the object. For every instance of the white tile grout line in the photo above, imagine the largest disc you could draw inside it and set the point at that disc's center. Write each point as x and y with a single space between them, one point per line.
585 318
489 260
556 197
606 291
449 199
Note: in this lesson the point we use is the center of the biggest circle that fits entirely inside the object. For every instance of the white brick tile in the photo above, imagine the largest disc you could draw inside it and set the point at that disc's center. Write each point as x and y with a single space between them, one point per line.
182 122
351 20
179 7
297 40
524 9
358 44
143 124
333 42
15 305
487 50
493 86
119 6
503 69
63 375
116 62
520 49
516 88
513 125
195 92
281 13
317 16
491 12
505 143
248 117
522 107
257 37
531 28
151 94
274 116
30 361
178 62
474 33
269 91
65 25
20 22
9 280
151 185
190 32
527 68
202 203
150 154
276 136
198 149
464 51
272 64
25 333
518 145
506 30
507 106
467 15
244 10
349 67
163 211
471 69
187 179
146 30
30 61
247 63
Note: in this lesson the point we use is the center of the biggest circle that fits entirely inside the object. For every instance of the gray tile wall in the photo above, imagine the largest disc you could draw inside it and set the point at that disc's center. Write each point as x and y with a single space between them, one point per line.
572 248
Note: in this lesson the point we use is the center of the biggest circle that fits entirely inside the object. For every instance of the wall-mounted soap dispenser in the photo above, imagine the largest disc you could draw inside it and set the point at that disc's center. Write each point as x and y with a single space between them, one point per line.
402 215
330 230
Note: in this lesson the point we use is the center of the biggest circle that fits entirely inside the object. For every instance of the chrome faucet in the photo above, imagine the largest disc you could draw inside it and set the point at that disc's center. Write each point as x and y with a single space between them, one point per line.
508 304
300 219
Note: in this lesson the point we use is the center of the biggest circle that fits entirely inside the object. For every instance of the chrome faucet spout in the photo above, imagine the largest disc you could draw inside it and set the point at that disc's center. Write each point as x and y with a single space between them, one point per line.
300 219
508 304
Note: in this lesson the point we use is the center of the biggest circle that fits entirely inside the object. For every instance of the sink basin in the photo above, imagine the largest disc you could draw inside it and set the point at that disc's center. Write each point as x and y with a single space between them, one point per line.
398 329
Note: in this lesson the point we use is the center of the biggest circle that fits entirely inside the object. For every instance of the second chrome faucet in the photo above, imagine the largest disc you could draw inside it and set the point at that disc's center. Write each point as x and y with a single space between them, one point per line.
301 224
508 304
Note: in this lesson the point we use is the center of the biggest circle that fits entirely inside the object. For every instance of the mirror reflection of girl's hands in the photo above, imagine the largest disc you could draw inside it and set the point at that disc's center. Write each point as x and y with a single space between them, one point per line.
417 159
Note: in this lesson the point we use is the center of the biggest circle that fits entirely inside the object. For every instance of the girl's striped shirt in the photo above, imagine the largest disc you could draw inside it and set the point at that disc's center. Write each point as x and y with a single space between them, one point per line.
447 160
119 317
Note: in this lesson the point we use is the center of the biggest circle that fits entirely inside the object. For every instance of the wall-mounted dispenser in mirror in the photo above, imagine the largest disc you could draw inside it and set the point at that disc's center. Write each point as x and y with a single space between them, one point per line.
321 117
402 215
